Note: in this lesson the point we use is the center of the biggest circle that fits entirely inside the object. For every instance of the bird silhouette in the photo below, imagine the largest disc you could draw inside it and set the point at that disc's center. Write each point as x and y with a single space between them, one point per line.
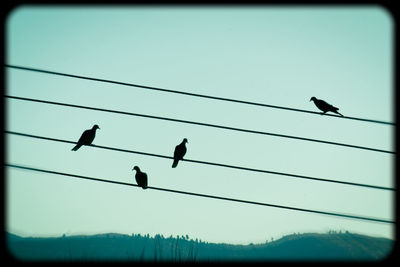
324 107
87 137
141 177
180 151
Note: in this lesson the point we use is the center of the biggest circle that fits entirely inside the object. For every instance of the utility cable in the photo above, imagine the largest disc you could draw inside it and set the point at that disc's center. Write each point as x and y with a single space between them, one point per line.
192 94
199 123
206 196
208 163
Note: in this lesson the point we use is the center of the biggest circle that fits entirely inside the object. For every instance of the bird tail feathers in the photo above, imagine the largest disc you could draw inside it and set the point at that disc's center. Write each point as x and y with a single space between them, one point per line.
335 109
75 148
175 163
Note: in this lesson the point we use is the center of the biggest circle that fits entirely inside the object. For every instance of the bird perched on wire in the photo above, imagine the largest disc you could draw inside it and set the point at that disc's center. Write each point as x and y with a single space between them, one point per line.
325 107
141 177
87 137
180 151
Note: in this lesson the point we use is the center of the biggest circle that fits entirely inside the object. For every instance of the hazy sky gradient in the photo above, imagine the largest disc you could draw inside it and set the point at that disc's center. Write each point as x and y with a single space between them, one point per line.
279 56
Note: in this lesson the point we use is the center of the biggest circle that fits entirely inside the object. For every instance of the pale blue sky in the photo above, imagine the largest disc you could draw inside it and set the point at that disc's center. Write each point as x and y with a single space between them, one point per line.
280 56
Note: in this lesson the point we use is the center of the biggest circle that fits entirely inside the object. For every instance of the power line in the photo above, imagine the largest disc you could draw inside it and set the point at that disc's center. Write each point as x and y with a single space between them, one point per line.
206 196
209 163
199 123
192 94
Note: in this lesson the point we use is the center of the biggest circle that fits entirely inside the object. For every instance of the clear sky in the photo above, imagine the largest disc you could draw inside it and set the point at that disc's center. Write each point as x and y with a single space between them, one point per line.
274 55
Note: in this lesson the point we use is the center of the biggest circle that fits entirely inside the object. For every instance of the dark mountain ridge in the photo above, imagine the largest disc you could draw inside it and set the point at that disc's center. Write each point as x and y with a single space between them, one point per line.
120 247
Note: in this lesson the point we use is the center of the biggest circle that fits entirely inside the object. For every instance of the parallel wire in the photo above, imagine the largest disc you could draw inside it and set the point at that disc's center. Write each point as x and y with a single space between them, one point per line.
192 94
194 161
199 123
209 163
206 196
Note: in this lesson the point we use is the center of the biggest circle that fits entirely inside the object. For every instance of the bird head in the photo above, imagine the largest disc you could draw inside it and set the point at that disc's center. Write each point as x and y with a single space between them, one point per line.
96 127
313 98
185 140
135 168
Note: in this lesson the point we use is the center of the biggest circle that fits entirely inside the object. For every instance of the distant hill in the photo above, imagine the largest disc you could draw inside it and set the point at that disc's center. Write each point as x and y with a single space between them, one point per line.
119 247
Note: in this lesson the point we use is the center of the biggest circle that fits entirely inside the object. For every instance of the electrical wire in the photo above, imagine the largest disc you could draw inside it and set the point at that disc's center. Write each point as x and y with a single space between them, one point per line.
206 196
191 94
208 163
198 123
